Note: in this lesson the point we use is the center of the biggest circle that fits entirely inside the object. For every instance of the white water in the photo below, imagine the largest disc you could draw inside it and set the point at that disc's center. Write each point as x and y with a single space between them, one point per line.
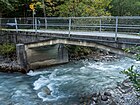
80 77
66 82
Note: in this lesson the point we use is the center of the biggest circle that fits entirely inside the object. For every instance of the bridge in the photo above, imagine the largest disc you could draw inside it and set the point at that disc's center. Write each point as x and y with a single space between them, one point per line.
107 33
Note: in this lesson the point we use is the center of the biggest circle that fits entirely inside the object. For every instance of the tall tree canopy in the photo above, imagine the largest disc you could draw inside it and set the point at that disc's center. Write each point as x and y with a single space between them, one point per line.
84 8
6 5
125 7
68 8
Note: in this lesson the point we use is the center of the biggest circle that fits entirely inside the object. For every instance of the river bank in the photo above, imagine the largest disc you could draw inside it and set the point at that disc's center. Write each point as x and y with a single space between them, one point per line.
123 94
10 65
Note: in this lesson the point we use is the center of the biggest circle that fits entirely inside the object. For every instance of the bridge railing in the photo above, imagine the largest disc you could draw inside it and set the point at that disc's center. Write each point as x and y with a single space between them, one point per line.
130 25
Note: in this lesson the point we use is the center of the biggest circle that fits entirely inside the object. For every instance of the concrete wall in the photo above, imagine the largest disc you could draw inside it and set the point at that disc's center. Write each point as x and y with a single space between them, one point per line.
39 57
46 49
21 37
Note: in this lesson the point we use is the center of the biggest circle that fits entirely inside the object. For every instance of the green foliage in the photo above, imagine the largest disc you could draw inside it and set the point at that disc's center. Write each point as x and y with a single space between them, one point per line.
135 50
133 76
79 51
52 7
71 8
7 5
7 49
75 8
125 7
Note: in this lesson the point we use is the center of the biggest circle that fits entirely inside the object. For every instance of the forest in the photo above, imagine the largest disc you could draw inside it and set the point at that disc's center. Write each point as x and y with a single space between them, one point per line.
69 8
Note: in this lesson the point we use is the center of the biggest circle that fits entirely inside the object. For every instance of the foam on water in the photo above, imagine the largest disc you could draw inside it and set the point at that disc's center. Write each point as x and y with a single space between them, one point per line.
42 81
89 76
32 73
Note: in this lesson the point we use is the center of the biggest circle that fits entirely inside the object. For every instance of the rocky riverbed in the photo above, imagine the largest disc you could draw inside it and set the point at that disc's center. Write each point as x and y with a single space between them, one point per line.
10 66
123 94
96 55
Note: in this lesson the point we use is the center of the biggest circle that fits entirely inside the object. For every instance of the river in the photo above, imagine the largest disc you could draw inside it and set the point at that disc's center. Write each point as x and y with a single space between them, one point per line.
66 82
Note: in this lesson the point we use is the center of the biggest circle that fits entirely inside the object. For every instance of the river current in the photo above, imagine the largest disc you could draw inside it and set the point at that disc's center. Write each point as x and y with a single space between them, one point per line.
66 82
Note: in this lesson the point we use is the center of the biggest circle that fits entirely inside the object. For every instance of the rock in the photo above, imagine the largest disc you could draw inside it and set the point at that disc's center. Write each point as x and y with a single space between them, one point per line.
95 95
107 93
47 90
23 71
93 103
81 100
113 103
95 99
104 98
125 90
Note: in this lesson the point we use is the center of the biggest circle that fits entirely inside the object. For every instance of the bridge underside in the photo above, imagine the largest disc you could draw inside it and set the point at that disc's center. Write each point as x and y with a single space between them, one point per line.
113 47
51 52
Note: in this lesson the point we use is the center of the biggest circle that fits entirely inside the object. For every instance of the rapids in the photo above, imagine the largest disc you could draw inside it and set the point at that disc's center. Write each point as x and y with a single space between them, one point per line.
63 84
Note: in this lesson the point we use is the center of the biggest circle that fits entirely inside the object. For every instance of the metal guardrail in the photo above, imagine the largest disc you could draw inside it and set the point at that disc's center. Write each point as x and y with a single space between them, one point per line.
82 24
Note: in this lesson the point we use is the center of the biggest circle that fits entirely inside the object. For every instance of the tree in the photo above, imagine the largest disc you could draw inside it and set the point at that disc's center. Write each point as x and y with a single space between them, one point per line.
52 7
6 5
84 8
125 7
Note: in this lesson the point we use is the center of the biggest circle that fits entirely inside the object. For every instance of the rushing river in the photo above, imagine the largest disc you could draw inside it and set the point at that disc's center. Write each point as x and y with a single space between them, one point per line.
66 82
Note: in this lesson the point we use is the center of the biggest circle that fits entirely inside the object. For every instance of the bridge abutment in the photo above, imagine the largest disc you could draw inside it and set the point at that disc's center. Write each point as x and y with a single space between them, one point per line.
39 57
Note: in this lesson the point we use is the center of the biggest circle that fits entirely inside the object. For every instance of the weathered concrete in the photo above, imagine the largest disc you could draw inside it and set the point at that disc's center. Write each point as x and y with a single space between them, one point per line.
79 43
21 55
26 36
42 56
30 55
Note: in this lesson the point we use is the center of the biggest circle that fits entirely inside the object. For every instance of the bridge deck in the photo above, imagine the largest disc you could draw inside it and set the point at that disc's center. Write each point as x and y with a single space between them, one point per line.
93 33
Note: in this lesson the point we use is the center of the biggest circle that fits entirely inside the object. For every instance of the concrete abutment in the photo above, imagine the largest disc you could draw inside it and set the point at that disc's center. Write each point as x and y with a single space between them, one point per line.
39 57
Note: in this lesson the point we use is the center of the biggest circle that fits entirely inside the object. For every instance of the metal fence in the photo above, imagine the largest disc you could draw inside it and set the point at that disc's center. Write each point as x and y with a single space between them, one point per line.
116 25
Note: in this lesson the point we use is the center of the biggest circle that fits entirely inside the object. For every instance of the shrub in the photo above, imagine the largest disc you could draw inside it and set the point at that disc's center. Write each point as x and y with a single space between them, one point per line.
134 76
7 49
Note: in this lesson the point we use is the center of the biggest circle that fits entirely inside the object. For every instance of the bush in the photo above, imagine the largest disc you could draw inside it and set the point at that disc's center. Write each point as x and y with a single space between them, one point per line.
7 49
134 76
79 50
135 50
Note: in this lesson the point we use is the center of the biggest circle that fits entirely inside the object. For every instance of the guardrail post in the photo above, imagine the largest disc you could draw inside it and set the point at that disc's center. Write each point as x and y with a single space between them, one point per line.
45 23
35 25
69 25
100 24
116 29
0 23
16 25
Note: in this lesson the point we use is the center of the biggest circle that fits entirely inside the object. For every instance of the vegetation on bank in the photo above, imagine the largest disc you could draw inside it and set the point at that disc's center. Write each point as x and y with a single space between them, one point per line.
78 51
7 50
134 75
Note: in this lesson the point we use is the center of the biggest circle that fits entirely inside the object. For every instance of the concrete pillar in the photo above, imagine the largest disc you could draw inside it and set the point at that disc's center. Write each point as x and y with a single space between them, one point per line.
21 55
62 53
